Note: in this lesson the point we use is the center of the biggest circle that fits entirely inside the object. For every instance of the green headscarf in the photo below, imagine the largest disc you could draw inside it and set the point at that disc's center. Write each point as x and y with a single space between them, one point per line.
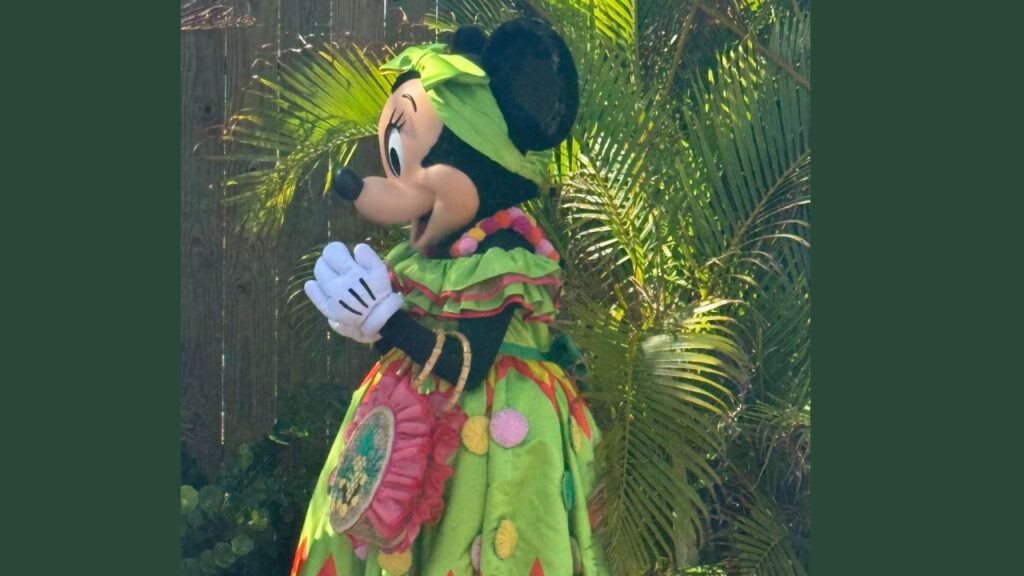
461 94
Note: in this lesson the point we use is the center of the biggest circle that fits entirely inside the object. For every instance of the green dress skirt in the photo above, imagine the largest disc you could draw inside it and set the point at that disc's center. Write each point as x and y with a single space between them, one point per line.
515 506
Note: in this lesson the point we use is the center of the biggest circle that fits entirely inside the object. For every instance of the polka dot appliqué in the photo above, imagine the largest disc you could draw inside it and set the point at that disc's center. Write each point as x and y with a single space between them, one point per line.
509 427
474 552
474 434
395 564
568 490
506 539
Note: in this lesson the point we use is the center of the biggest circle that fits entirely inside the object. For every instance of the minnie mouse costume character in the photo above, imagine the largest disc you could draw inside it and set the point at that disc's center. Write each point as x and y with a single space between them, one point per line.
462 141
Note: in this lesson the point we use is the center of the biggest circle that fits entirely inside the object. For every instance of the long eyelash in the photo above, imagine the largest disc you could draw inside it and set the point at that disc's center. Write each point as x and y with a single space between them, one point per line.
396 122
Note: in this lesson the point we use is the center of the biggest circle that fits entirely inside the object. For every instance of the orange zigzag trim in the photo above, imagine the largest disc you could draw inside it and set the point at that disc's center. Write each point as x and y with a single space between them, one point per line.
577 405
507 363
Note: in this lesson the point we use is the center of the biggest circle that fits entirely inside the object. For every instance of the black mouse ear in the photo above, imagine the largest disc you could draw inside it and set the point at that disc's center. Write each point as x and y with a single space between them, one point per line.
534 80
468 41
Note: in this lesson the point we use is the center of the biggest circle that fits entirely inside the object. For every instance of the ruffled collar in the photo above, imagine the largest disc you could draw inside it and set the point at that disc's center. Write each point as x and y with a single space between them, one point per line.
480 284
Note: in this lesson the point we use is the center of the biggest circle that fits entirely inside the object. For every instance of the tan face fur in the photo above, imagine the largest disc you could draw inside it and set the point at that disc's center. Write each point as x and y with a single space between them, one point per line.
408 128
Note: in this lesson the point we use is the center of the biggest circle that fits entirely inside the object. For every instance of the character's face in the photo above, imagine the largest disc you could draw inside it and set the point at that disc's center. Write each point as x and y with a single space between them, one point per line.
439 199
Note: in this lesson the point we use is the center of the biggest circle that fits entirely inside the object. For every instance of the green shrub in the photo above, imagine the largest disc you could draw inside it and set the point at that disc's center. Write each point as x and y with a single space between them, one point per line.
247 519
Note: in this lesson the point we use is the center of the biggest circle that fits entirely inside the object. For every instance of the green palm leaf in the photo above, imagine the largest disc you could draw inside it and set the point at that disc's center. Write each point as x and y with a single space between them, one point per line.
610 24
760 543
750 130
665 391
322 102
488 14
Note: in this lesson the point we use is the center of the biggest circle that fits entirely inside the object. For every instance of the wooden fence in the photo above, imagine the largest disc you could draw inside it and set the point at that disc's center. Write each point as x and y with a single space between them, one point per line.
238 354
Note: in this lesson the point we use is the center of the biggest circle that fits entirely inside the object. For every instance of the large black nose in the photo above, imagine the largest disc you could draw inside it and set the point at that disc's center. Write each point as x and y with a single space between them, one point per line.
347 183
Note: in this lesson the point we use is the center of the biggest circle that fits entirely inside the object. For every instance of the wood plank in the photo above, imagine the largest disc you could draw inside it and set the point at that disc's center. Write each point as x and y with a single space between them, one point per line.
250 288
310 19
301 364
415 9
202 106
362 21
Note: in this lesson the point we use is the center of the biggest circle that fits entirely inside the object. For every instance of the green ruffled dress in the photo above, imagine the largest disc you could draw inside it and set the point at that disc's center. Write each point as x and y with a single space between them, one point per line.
513 507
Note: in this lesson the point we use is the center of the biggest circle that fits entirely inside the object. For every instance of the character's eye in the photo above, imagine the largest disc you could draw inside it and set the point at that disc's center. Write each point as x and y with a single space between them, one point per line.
393 144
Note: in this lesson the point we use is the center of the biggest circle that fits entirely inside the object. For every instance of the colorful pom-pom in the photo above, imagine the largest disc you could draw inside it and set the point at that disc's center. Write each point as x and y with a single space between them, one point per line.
522 226
488 225
361 551
465 246
502 218
474 434
509 427
513 218
474 552
397 563
506 539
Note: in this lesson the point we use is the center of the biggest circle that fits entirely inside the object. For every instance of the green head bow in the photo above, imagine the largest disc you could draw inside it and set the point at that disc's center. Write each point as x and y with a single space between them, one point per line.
460 93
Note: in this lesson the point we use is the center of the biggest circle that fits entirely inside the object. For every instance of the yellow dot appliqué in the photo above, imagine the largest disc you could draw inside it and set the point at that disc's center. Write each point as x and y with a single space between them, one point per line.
395 564
475 435
506 539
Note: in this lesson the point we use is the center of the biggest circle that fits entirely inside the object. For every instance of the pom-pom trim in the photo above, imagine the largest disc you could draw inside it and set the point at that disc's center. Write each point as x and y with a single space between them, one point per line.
511 218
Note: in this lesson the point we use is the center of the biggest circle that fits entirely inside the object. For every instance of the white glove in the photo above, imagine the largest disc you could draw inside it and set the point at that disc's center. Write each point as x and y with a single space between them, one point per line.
352 332
354 294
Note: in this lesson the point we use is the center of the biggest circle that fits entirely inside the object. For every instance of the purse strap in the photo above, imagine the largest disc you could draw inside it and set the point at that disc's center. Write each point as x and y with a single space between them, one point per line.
428 366
467 359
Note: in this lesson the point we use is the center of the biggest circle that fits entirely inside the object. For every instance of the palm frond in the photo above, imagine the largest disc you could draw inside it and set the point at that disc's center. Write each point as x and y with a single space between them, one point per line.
205 15
320 102
307 322
665 391
611 197
614 20
750 130
487 14
782 328
659 213
760 543
772 454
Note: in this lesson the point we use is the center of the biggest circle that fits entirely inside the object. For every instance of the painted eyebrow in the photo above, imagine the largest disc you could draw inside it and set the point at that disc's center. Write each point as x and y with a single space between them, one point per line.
411 100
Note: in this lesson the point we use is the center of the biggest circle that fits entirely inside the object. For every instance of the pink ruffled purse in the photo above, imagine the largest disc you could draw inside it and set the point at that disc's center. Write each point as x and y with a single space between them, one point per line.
390 478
